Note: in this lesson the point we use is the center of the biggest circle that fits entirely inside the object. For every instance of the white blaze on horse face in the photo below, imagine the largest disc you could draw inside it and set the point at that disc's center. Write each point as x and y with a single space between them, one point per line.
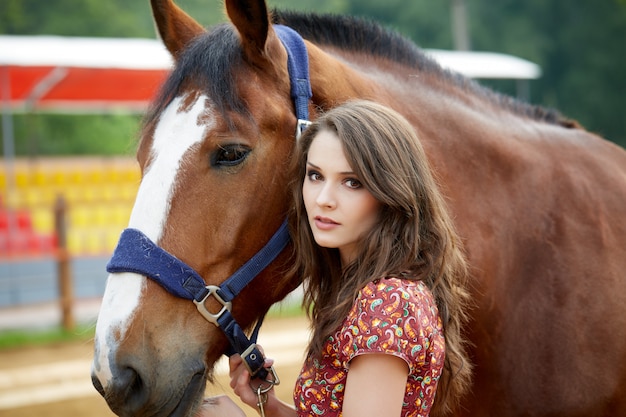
174 135
176 132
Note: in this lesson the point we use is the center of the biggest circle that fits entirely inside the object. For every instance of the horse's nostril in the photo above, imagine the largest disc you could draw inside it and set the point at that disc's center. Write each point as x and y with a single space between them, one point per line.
133 389
125 393
97 384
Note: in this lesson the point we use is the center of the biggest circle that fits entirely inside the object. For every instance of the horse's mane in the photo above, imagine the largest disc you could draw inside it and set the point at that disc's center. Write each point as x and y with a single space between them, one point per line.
209 60
362 35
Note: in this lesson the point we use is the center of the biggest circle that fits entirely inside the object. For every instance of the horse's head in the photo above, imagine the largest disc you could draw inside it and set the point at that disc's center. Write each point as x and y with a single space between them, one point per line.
214 154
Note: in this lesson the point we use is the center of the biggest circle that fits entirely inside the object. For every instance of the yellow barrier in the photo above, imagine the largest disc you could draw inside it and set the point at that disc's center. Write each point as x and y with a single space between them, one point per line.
99 193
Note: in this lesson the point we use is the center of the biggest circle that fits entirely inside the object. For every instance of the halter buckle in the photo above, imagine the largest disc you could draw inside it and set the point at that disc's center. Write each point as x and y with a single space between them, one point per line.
201 305
301 126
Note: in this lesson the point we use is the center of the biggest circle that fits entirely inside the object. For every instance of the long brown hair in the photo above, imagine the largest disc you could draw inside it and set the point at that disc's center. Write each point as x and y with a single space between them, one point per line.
414 237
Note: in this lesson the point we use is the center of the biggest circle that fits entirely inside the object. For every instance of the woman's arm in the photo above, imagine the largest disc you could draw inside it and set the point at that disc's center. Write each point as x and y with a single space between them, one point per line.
375 386
240 383
220 406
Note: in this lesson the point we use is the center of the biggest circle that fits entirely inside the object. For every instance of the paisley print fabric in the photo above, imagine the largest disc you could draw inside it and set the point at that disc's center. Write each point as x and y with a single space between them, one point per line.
390 316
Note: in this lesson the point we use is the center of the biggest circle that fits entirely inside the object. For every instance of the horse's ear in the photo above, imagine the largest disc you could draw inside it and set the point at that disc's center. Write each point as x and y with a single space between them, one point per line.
175 27
252 22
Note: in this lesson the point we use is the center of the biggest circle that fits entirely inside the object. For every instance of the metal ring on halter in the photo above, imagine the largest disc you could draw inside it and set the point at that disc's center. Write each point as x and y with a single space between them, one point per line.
301 126
213 290
265 385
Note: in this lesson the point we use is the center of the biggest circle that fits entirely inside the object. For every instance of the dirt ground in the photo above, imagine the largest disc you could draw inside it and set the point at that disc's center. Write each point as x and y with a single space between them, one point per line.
90 404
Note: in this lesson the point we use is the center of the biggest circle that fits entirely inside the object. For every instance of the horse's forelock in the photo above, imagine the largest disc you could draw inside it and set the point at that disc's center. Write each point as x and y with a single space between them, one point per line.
208 65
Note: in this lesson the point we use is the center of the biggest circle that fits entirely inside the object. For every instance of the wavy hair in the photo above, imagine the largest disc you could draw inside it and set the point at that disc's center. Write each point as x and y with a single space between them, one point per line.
414 237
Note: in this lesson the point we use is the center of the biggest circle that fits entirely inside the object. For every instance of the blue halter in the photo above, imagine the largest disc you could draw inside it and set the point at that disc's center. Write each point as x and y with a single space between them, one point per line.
135 252
298 67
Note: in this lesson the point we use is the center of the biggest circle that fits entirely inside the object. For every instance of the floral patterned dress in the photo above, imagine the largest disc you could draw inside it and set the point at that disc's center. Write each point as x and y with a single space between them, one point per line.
390 316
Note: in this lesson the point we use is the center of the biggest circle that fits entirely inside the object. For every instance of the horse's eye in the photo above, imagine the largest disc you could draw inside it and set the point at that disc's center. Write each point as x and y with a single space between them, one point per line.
230 155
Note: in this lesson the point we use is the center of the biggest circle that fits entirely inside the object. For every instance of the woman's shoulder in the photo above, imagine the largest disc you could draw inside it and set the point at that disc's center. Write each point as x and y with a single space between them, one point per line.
396 316
409 295
407 288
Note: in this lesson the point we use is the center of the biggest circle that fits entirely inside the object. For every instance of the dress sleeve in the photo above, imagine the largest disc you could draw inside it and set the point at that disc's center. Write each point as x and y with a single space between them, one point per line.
391 318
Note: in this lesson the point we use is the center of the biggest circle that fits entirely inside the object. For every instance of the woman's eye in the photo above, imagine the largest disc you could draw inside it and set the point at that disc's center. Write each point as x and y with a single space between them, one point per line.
230 155
313 175
353 183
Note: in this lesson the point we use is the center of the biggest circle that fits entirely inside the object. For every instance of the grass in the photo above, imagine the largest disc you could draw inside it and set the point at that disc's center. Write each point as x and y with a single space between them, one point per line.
11 339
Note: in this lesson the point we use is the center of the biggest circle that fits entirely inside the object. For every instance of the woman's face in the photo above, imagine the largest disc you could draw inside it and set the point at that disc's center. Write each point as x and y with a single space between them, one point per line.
340 210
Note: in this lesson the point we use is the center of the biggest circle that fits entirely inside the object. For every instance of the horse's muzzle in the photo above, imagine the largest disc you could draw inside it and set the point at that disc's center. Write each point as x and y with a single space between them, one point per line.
131 394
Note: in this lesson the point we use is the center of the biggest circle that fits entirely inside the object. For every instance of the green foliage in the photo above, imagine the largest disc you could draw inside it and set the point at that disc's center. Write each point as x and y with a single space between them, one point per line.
60 134
579 46
113 18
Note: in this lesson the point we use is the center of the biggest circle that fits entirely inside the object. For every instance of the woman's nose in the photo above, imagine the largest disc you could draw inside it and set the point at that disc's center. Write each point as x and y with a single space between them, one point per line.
325 197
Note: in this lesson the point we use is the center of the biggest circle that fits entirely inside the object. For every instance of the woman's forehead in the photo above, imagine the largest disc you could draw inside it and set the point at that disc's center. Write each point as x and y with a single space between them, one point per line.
326 152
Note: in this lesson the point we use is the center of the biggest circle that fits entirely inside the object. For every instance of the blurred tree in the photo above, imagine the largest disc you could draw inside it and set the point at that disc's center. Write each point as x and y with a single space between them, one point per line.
75 18
579 46
424 21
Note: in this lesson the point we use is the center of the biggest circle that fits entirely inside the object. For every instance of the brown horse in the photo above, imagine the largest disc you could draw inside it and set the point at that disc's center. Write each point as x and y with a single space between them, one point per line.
539 202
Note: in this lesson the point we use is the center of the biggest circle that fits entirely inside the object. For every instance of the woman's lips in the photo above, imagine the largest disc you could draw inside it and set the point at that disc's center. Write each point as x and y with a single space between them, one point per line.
324 223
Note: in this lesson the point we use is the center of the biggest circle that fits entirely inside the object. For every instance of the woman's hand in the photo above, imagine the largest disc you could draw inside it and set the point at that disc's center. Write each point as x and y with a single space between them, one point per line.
240 381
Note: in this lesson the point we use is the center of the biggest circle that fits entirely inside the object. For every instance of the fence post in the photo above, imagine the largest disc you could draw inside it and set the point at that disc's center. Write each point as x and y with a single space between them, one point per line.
64 274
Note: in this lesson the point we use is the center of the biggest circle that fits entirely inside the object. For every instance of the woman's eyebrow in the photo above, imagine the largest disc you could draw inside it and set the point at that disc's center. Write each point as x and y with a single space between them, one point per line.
344 173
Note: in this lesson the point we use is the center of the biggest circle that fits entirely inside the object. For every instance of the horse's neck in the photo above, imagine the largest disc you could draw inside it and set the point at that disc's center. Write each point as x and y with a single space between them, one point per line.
337 76
334 81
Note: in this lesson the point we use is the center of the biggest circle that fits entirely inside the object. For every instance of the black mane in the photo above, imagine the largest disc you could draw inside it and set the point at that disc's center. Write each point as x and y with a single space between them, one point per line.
209 62
362 35
356 34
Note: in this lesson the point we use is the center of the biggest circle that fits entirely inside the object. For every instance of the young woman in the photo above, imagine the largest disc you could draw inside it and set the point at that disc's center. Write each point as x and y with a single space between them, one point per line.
383 274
